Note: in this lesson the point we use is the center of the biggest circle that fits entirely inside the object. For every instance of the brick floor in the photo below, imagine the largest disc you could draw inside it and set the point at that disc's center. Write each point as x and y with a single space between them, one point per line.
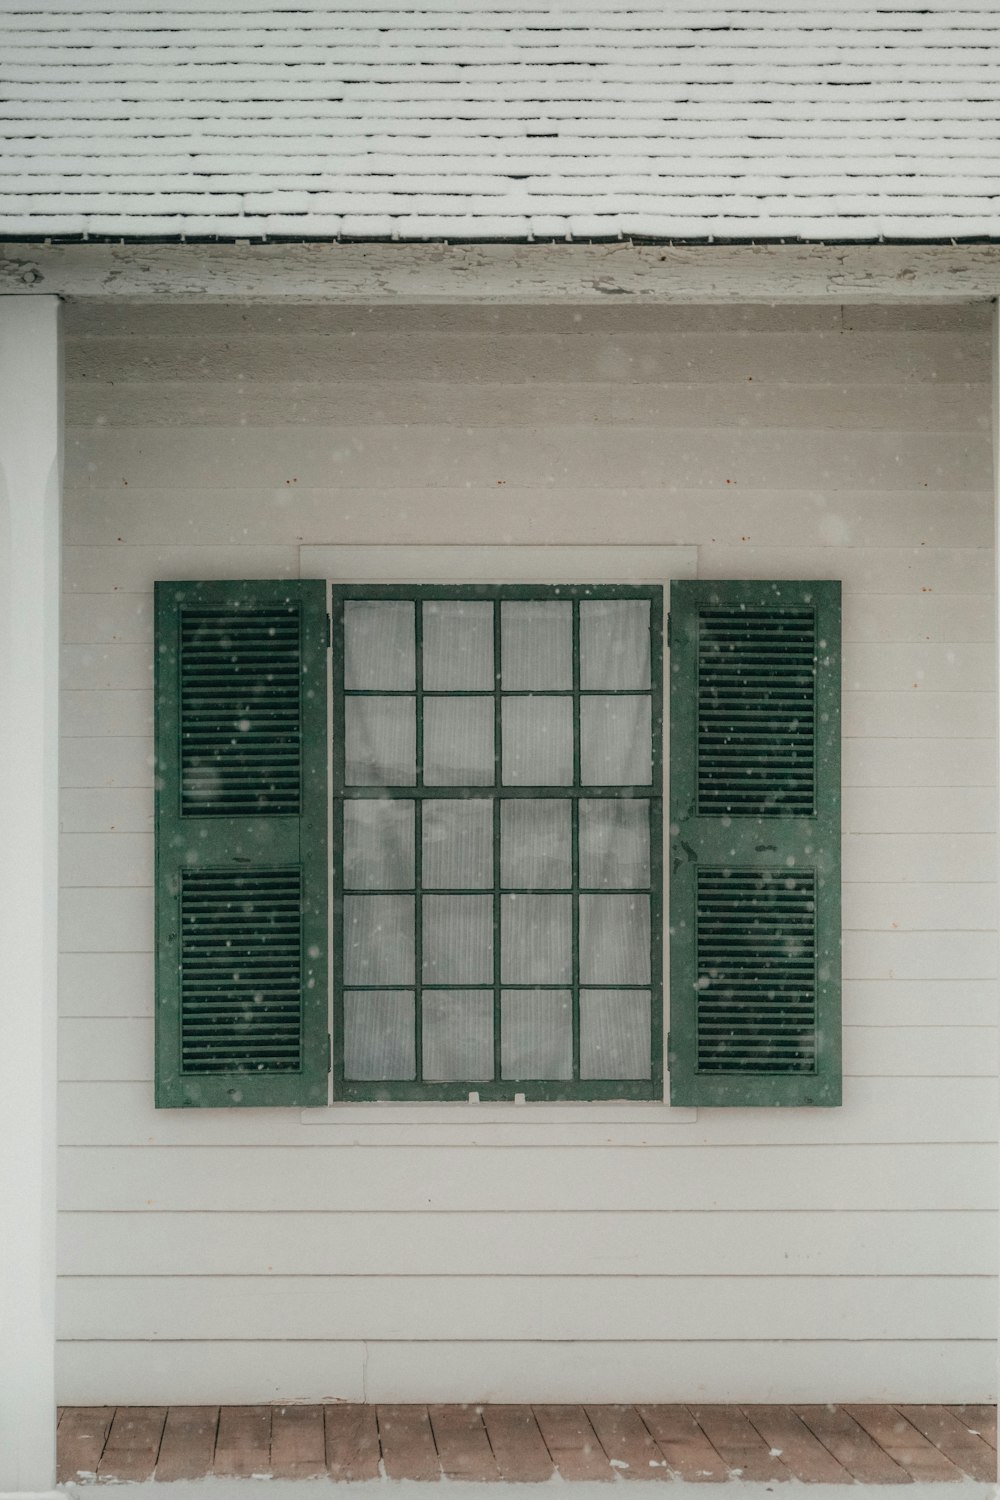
823 1444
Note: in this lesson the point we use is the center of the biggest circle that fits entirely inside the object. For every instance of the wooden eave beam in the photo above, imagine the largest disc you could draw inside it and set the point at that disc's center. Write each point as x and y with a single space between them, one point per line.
502 273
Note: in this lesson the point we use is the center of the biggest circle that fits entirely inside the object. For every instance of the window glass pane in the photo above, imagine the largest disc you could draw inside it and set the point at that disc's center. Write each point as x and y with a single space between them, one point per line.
537 741
536 843
536 644
614 1034
457 1035
458 940
458 742
616 745
471 860
536 939
614 842
380 742
379 644
378 939
458 644
378 1035
378 845
614 940
536 1034
614 643
458 843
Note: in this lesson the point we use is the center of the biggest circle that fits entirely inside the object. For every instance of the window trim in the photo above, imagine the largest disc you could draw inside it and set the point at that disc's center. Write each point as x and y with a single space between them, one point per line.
629 1120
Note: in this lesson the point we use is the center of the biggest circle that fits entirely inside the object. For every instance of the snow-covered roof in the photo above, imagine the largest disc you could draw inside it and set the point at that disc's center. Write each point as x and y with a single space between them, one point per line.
482 119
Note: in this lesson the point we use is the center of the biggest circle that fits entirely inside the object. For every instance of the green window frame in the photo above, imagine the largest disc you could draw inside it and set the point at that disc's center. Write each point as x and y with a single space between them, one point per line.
355 1000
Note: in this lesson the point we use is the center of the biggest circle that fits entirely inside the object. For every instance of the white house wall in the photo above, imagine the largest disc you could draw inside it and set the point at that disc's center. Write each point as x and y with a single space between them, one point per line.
562 1252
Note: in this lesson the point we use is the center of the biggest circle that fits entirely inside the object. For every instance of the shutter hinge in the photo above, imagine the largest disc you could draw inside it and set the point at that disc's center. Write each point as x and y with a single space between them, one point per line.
329 1053
670 633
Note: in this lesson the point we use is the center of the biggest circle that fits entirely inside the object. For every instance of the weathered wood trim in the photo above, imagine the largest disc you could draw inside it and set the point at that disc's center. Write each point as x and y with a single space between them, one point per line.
513 564
386 273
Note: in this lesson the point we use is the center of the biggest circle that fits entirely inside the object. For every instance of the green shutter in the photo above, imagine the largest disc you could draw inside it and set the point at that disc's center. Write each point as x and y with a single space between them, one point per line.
241 867
755 843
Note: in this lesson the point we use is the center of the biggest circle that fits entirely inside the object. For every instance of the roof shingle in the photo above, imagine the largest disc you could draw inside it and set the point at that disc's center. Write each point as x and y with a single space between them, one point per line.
457 119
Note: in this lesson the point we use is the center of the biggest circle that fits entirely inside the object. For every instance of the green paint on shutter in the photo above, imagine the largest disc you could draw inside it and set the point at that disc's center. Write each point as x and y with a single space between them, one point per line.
241 971
241 711
241 864
755 843
756 711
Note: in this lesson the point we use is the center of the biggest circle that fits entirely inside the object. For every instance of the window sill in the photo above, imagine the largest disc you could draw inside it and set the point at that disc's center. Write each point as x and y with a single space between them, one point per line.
472 1124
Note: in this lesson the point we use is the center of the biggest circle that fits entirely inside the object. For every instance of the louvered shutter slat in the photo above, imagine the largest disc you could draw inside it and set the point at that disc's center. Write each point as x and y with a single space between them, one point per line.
755 852
241 844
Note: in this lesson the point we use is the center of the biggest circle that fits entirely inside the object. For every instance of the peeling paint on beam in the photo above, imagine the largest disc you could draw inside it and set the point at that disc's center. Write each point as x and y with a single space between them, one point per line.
540 273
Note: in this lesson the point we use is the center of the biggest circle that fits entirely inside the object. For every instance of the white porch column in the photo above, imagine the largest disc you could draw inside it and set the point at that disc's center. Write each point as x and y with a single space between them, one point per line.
995 414
30 476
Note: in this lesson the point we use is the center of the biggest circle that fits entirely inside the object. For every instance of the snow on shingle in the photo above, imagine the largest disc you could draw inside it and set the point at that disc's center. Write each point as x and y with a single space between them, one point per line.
464 119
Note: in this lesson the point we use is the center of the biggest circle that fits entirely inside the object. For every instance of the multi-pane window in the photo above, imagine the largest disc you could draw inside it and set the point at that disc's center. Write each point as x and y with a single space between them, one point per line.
497 842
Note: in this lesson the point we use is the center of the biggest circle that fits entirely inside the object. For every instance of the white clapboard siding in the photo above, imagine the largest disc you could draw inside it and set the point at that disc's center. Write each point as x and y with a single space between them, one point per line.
862 569
94 763
101 320
182 1372
921 664
131 570
927 763
919 809
117 712
936 906
877 1111
523 1307
781 1371
345 509
956 407
122 618
884 570
931 1051
920 955
106 810
887 1109
107 665
105 920
919 856
596 1252
106 859
106 1047
873 714
920 1002
581 1244
449 1178
701 357
106 984
923 617
590 456
565 1370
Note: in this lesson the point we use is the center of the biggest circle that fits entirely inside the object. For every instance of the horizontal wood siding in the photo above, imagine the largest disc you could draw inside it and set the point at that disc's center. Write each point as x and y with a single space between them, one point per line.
343 1244
571 1253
